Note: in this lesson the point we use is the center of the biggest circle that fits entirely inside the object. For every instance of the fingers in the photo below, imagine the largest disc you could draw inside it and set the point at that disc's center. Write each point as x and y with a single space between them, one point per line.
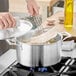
6 21
35 10
33 7
30 9
12 20
1 24
10 23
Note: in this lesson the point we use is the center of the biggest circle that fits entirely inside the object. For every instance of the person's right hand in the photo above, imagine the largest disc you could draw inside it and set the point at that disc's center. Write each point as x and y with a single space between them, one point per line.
33 7
6 20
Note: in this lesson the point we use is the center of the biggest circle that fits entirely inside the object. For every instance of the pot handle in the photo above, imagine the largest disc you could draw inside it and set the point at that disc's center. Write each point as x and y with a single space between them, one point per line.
68 45
11 41
65 35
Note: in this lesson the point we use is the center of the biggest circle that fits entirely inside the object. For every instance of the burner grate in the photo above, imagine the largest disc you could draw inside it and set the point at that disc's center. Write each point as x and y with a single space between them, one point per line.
67 66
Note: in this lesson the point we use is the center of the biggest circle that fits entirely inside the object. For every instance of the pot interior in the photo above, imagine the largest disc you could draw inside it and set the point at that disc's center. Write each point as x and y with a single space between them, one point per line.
26 38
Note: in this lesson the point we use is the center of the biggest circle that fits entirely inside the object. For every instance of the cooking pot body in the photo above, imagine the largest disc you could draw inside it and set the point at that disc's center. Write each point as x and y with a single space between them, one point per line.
39 55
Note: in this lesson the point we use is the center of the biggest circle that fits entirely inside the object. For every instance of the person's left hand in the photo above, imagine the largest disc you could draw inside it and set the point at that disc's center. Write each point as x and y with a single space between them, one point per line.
32 7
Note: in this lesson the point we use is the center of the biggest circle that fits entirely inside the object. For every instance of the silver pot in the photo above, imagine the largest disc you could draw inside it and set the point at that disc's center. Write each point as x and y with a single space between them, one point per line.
40 54
36 55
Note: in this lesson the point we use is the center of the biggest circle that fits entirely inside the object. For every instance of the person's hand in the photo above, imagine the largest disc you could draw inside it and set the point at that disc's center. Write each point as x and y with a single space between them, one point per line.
6 20
32 7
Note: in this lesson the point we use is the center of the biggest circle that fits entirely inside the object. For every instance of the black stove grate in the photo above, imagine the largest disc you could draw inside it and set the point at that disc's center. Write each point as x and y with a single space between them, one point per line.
67 67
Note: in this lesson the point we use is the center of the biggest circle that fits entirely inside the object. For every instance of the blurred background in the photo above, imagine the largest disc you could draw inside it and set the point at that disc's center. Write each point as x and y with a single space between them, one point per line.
47 7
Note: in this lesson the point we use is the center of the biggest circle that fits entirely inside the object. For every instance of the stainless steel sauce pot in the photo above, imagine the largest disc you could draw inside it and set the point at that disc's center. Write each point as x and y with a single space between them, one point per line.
35 55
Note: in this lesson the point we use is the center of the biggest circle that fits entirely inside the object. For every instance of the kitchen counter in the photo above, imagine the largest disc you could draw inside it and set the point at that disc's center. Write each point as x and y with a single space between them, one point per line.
60 27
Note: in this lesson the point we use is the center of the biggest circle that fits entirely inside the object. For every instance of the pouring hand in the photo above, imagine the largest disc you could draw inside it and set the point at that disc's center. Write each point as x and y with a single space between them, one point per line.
33 8
6 20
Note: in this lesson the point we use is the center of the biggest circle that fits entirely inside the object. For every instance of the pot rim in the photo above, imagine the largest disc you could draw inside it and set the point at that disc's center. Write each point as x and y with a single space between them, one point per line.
52 41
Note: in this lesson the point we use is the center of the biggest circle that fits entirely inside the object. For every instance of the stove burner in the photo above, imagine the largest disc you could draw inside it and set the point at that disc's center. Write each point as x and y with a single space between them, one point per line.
42 69
39 69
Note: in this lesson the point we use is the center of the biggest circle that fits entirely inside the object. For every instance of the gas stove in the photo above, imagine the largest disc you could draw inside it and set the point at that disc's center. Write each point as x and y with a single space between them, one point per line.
66 67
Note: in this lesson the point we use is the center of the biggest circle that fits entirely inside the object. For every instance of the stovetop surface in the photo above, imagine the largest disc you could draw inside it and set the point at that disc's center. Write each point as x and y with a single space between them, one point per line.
66 67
